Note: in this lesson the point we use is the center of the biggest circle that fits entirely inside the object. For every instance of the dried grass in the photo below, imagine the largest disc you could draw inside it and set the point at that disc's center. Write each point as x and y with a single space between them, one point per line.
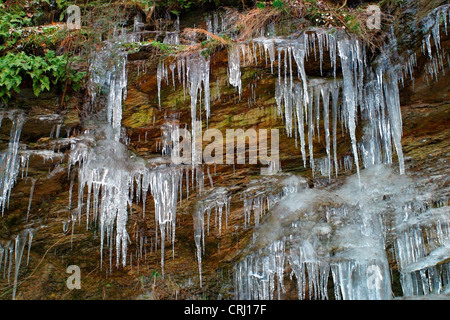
372 37
190 32
253 21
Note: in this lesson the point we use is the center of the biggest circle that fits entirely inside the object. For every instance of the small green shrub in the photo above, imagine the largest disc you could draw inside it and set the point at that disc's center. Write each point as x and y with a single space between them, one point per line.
260 5
10 24
164 47
278 4
42 71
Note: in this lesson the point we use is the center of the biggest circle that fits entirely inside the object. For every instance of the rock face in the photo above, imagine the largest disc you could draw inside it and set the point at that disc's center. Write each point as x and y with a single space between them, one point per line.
98 190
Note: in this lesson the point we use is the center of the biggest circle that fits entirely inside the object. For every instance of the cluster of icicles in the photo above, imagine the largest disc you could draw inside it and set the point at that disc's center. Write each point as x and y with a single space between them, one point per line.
14 160
336 241
218 200
364 92
113 180
14 163
11 253
264 193
373 94
9 160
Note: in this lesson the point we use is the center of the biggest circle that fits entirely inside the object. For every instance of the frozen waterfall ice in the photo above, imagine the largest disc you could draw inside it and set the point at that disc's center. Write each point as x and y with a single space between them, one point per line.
324 235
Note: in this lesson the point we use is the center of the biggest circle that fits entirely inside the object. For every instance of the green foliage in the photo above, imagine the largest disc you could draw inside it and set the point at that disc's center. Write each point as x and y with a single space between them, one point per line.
211 46
76 79
133 46
62 4
320 15
279 4
177 7
155 274
352 23
260 5
172 4
313 12
164 47
145 2
10 24
206 52
191 4
15 68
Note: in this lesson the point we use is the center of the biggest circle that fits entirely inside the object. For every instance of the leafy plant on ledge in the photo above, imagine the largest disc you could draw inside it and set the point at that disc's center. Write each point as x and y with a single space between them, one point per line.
15 68
10 24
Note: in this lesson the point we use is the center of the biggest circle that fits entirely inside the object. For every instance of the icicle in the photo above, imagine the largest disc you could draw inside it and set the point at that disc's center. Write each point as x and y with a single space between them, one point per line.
349 93
19 247
159 76
310 131
114 78
219 200
234 68
335 97
197 73
164 184
33 184
326 123
300 120
10 164
199 236
30 240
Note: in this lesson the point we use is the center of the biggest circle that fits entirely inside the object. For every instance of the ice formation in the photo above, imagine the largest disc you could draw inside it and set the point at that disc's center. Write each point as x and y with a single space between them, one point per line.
33 185
169 131
263 194
197 73
113 180
303 103
164 185
431 26
365 96
219 201
46 155
422 249
345 235
234 67
11 253
112 177
104 168
108 72
9 159
324 235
